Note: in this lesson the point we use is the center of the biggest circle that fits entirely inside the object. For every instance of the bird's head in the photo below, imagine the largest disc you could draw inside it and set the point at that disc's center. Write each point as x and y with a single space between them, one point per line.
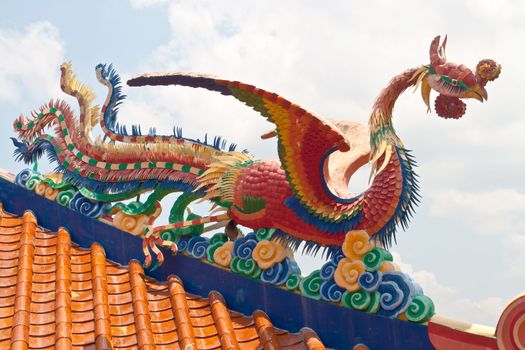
454 81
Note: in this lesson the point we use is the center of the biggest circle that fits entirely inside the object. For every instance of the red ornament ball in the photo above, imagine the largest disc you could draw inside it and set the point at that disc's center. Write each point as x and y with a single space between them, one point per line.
487 70
449 107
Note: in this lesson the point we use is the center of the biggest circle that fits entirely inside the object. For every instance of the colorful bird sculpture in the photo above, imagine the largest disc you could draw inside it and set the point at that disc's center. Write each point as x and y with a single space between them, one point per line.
304 196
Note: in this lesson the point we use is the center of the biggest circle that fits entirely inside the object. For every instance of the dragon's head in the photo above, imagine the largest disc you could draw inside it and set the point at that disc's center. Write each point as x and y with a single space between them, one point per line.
454 81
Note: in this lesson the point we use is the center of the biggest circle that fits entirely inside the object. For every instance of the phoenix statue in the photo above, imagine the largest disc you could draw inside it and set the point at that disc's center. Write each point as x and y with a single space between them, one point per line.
304 196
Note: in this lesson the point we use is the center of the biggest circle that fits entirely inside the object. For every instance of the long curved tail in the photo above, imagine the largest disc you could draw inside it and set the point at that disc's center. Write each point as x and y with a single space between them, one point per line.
126 159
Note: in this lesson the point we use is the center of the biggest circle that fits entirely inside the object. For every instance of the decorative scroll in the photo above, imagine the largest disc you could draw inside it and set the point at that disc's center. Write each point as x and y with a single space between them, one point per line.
362 301
397 292
310 286
374 259
223 254
420 310
293 282
133 224
268 253
370 281
347 274
357 243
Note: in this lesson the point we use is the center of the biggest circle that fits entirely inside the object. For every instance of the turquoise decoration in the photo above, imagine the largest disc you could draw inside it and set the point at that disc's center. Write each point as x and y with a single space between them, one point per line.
246 267
65 196
219 238
293 282
264 234
362 301
374 258
420 310
310 286
168 235
215 242
32 182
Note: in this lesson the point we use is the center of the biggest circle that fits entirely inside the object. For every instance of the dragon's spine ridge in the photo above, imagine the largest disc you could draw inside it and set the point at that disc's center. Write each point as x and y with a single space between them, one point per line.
118 132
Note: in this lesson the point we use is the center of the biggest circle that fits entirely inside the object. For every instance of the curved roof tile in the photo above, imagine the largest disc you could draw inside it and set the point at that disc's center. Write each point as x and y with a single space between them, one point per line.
55 294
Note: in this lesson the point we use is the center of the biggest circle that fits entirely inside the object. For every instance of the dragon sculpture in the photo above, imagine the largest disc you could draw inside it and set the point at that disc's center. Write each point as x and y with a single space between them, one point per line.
304 196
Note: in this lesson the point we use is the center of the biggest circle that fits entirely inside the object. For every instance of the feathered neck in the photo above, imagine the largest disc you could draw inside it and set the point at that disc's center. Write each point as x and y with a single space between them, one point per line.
382 133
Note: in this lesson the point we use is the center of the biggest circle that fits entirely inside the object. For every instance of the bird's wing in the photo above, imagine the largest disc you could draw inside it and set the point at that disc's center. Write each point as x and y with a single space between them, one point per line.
304 140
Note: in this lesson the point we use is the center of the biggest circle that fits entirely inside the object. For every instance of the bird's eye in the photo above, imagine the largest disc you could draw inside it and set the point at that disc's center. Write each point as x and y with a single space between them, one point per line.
452 85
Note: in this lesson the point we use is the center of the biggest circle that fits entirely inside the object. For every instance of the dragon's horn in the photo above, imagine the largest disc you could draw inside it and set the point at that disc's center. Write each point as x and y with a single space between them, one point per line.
437 52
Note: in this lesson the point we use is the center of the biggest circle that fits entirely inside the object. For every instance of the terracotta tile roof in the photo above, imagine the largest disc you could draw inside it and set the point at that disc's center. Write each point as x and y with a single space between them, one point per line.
53 293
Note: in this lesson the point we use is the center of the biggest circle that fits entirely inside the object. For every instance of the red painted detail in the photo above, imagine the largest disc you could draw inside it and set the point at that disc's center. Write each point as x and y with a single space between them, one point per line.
283 102
443 337
459 72
270 96
510 331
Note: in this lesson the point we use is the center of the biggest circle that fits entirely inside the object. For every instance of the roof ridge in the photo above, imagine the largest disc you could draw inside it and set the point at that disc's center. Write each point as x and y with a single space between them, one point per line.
24 284
181 313
223 321
100 297
63 321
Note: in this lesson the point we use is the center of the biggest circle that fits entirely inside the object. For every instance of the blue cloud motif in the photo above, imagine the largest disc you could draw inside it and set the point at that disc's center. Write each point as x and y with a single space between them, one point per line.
330 291
197 246
22 177
397 292
243 247
328 270
370 281
183 243
87 207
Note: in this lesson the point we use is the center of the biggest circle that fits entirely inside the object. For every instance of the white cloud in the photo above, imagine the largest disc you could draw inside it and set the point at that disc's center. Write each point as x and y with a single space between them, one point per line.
448 300
514 257
29 62
498 212
139 4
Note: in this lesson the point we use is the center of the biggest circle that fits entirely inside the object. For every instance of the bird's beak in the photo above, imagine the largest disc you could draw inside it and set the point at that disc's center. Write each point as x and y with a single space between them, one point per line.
478 92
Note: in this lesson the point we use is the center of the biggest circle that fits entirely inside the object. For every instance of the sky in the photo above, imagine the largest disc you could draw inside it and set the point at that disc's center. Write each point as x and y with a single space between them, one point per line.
466 243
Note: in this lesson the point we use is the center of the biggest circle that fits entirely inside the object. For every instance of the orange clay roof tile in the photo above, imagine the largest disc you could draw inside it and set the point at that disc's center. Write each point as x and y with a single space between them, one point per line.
56 295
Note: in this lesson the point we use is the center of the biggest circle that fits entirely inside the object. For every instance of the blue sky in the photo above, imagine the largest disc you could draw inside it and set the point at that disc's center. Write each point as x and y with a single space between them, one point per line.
466 243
